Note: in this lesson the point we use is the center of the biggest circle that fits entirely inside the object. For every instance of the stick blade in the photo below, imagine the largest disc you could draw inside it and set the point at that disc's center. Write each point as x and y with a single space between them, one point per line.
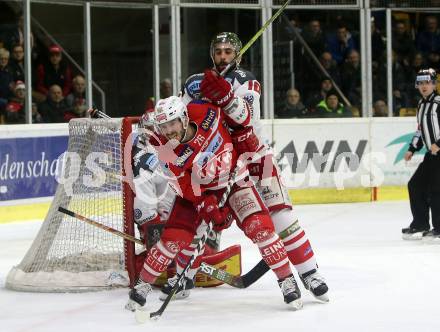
155 316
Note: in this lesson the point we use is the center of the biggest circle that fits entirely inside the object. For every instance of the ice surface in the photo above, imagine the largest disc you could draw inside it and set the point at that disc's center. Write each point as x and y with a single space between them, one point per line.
378 282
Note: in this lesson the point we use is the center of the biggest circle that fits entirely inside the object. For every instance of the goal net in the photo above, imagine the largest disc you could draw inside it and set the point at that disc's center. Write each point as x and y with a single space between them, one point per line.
69 255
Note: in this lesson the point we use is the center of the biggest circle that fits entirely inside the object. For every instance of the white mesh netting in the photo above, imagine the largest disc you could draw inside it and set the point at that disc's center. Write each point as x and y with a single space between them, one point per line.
69 255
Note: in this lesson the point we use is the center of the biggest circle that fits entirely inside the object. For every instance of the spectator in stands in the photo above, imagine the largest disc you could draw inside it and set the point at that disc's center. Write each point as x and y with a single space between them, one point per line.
340 44
331 66
318 96
6 79
377 42
36 116
403 44
15 36
428 40
380 108
76 100
55 72
14 111
351 78
417 63
314 37
17 62
400 85
166 90
330 107
293 106
433 61
55 106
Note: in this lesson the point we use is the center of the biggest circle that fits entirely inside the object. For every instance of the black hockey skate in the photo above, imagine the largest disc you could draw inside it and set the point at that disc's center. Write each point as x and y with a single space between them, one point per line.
183 291
410 233
291 292
315 283
138 295
432 235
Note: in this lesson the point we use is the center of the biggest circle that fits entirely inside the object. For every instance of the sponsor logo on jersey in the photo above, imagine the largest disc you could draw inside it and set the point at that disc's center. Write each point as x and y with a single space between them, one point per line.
212 148
152 162
249 99
193 88
137 214
214 167
208 121
184 155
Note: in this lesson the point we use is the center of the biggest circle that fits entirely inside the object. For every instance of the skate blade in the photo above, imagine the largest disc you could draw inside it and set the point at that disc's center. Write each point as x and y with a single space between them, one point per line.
296 305
431 239
413 237
131 305
322 298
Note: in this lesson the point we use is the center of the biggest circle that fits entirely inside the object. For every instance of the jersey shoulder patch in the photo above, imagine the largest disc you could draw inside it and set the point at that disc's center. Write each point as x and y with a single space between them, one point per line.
241 76
192 85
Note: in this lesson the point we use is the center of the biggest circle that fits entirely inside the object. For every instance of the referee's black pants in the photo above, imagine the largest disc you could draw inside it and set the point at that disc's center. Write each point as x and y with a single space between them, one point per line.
424 193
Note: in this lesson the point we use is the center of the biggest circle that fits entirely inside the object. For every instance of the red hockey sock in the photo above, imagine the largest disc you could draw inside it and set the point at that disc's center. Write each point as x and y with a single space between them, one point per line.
274 254
157 260
183 257
300 252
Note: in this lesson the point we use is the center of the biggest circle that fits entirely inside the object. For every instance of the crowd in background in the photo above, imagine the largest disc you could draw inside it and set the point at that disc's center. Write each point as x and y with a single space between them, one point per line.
314 95
58 93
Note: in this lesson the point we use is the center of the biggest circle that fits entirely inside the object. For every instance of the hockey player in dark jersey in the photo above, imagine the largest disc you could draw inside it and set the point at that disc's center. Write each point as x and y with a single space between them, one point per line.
198 149
246 93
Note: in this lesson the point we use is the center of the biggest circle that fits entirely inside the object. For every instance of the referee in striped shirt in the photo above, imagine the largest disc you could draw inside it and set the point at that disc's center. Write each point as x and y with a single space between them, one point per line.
424 185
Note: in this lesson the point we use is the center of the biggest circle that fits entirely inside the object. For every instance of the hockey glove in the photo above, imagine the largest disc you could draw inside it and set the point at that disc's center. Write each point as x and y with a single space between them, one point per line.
245 140
144 226
216 89
209 210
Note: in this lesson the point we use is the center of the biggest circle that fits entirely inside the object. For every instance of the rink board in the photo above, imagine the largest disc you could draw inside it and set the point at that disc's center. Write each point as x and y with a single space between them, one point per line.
321 160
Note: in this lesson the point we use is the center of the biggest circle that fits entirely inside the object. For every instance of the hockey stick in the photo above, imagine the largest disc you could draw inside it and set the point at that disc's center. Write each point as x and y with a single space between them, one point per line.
232 179
254 38
100 114
242 281
99 225
157 314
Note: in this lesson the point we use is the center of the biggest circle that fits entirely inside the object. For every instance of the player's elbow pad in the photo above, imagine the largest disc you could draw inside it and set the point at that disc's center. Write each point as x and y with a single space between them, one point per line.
238 112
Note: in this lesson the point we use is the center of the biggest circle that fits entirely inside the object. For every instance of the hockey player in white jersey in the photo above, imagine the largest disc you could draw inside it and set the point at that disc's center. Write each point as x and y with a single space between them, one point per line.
245 92
154 198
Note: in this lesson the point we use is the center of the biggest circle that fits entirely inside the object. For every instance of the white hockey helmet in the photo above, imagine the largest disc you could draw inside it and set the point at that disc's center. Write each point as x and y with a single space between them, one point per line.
169 109
147 119
146 125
